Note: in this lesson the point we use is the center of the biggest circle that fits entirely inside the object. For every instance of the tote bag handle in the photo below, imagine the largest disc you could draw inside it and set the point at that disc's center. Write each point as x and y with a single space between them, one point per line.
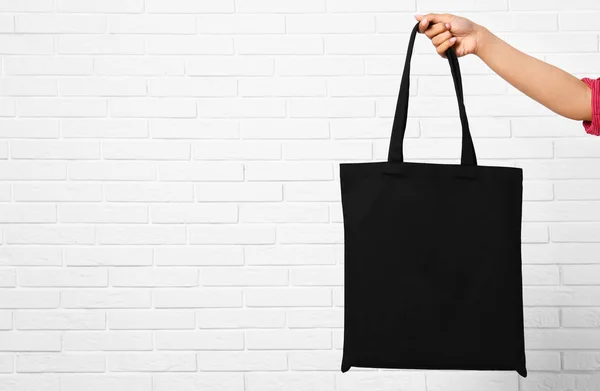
395 153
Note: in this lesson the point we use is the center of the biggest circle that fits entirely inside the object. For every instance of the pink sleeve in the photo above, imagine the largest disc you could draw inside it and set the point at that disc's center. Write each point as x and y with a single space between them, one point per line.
593 126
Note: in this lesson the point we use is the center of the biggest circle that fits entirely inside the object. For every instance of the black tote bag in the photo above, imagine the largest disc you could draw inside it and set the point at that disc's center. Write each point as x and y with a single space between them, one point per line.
432 257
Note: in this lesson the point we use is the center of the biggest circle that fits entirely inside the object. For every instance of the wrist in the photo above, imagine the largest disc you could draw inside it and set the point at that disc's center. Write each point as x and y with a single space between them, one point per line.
482 38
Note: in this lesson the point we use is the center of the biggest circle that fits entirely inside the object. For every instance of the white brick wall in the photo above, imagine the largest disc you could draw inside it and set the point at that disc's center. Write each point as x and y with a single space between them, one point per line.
170 213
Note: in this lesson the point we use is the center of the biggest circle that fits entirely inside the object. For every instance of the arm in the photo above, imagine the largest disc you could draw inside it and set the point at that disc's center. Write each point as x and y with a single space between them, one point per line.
554 88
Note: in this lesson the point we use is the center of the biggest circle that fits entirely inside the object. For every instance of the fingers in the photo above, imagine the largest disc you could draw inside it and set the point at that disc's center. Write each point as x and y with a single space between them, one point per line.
441 48
435 29
440 38
438 18
423 25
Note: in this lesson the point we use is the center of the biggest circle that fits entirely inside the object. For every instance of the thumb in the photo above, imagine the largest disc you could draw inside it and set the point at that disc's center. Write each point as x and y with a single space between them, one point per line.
436 18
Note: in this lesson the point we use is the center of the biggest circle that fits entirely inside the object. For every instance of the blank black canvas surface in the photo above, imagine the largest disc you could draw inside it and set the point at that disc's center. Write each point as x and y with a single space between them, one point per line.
432 258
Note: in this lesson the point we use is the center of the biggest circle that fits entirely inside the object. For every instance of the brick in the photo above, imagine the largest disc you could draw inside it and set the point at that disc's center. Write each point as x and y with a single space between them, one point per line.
310 233
282 87
562 339
576 149
152 362
315 318
283 213
60 363
241 361
152 108
189 6
318 276
364 44
193 87
103 341
104 128
288 44
330 24
199 340
60 24
292 255
319 66
152 24
28 128
438 381
373 6
31 234
62 107
108 6
371 128
287 339
138 66
27 6
561 211
239 192
242 108
48 66
145 150
59 320
112 171
327 108
102 87
28 86
36 382
325 360
153 277
581 361
581 274
63 277
30 256
577 21
280 6
113 298
192 45
26 44
149 192
241 318
325 150
550 5
149 234
541 275
561 296
257 381
560 169
206 380
41 213
215 213
108 256
288 297
29 299
284 129
198 298
194 129
553 43
230 66
106 382
237 150
63 150
581 317
100 45
543 361
313 191
241 24
252 276
198 256
150 320
31 341
232 234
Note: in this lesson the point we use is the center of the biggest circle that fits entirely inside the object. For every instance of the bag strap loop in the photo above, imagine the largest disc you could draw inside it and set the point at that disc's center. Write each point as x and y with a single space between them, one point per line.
396 153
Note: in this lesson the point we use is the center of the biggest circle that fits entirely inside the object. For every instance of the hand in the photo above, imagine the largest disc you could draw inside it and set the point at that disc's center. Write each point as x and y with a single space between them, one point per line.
447 30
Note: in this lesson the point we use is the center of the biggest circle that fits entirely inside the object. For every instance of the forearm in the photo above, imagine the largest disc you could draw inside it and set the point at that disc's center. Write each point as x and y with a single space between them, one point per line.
554 88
